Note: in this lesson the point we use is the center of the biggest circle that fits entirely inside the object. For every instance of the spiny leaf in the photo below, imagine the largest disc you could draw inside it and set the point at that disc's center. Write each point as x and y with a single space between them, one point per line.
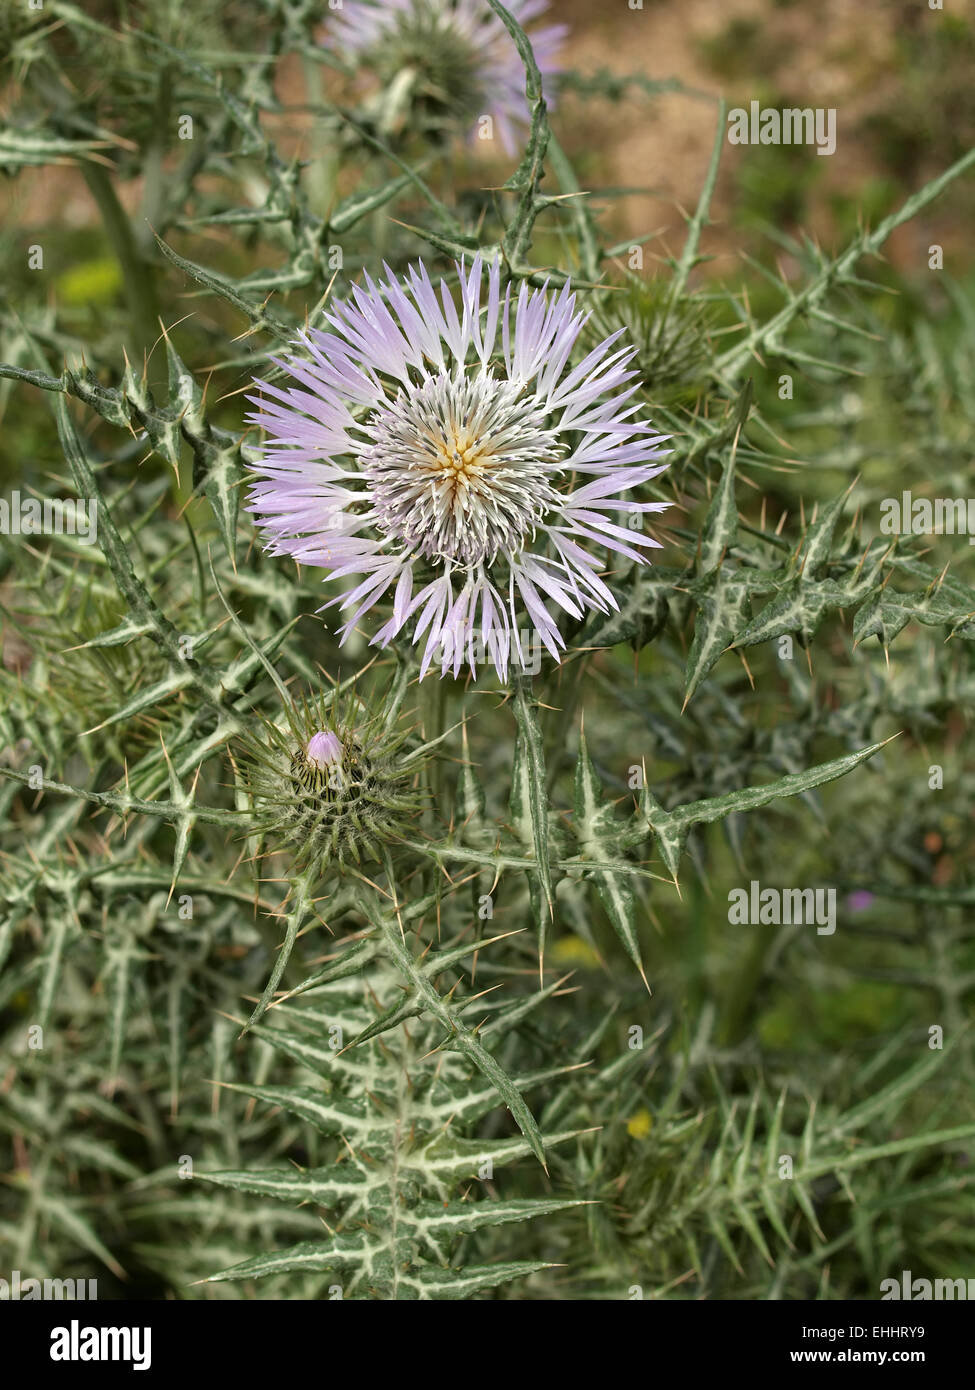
671 828
592 821
529 807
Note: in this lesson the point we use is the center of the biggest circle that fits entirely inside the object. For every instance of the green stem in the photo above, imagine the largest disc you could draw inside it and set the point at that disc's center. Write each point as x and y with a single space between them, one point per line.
459 1037
568 695
140 291
741 996
323 165
153 190
433 711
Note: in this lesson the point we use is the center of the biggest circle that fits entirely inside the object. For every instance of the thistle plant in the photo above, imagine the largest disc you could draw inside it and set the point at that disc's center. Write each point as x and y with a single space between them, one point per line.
370 806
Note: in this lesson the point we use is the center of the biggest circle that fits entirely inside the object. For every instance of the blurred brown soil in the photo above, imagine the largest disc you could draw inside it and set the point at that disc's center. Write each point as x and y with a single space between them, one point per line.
836 53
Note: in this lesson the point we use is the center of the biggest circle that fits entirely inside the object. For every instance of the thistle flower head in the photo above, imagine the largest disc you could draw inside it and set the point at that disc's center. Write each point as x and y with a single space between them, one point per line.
330 793
456 56
457 460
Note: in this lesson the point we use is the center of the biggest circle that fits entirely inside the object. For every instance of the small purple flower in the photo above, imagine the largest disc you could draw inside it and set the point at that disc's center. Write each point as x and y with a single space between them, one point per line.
860 899
324 749
457 461
459 52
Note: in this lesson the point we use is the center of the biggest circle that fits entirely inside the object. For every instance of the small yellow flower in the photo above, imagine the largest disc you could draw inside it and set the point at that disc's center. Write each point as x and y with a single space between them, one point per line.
91 282
638 1126
572 950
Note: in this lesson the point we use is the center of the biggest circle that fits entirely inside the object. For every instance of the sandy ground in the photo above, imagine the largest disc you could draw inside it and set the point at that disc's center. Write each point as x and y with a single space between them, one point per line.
831 53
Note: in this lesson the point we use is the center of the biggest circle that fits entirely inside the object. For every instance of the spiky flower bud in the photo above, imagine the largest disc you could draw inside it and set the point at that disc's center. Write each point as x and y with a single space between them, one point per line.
670 337
331 794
